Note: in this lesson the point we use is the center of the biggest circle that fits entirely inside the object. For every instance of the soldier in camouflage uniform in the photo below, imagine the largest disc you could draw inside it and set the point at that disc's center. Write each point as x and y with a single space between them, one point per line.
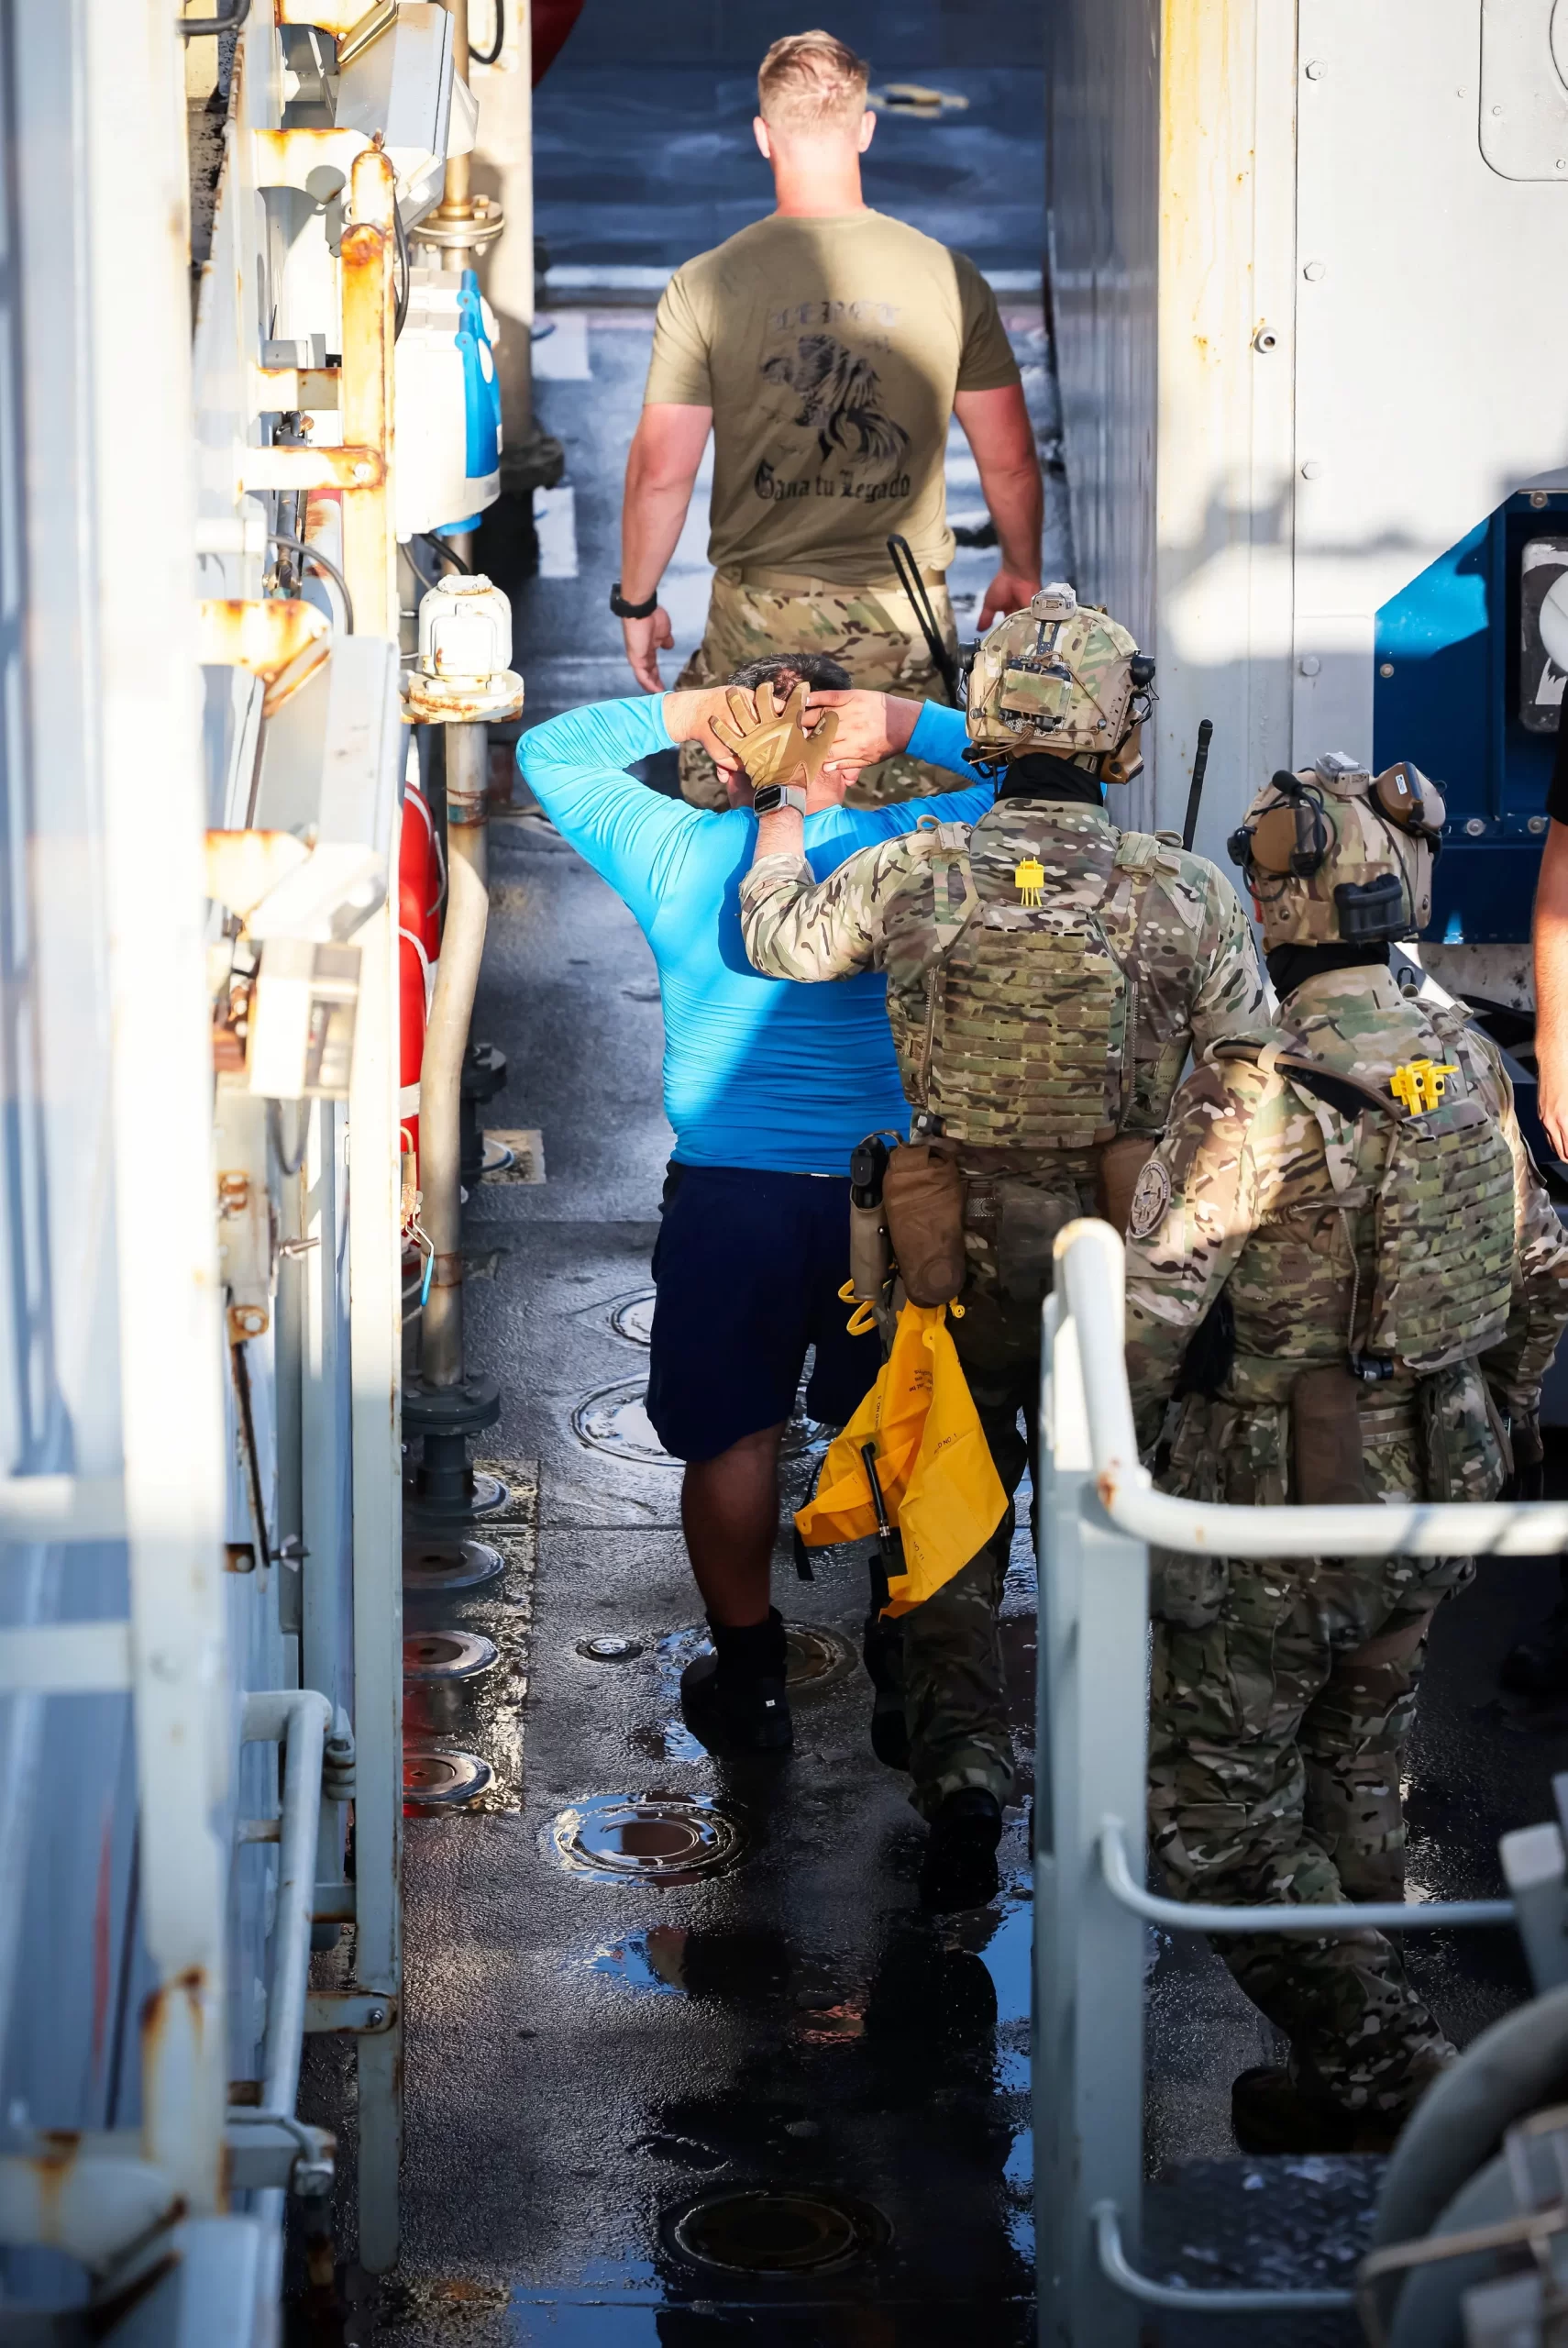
1046 976
1354 1197
871 632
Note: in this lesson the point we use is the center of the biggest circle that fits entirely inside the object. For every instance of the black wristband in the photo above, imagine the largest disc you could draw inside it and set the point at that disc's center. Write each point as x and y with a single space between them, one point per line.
624 611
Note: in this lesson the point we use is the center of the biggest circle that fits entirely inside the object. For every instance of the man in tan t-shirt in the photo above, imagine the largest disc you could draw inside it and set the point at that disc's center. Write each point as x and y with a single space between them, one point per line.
827 346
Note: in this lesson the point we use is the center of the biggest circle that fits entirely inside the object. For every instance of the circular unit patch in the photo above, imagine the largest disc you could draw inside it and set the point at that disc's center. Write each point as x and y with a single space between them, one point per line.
1150 1199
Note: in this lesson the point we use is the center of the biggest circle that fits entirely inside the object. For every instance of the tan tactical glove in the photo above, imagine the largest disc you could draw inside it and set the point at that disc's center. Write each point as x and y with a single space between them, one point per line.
772 744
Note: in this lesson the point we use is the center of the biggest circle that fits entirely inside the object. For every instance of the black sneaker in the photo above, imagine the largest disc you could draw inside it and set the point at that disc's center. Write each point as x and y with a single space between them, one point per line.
730 1712
959 1869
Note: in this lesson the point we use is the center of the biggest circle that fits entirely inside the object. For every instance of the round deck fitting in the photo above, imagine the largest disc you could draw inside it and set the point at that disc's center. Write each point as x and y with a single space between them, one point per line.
432 1567
467 1409
485 224
437 1779
782 2231
442 1656
815 1658
615 1419
649 1838
461 700
632 1317
608 1650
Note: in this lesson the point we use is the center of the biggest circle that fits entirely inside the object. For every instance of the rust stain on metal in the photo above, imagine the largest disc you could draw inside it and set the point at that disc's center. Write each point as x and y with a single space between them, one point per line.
440 701
186 1991
311 467
294 158
367 253
245 866
278 638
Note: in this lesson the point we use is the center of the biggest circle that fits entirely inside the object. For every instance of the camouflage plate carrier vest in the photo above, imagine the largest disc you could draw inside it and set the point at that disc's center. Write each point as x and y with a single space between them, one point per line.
1022 1010
1438 1184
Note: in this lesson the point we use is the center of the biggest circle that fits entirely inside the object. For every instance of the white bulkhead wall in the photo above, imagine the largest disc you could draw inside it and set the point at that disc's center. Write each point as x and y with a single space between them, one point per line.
1305 338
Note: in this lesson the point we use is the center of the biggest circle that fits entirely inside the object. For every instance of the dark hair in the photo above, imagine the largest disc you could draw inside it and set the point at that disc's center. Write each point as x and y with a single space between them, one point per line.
810 668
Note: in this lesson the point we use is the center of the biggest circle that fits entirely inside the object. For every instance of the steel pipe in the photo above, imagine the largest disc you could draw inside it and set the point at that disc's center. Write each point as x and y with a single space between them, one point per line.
1090 1269
1332 1919
445 1041
298 1719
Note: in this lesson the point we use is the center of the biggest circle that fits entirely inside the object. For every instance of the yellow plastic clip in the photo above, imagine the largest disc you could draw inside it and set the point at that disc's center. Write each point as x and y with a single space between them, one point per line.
863 1320
1419 1085
846 1294
1029 879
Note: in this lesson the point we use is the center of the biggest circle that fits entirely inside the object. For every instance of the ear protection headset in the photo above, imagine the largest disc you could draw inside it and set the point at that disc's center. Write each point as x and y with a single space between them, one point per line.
1293 838
1290 839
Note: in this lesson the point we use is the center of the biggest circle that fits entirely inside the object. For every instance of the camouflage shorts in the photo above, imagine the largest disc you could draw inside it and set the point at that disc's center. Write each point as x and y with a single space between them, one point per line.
870 631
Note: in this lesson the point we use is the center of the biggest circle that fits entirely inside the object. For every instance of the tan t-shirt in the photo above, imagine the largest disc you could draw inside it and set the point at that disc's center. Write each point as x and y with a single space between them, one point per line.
829 351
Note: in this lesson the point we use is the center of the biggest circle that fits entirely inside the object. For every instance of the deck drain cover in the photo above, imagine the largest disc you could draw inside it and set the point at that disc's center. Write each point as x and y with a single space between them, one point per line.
433 1779
616 1420
436 1564
446 1654
657 1838
608 1650
815 1657
759 2232
632 1317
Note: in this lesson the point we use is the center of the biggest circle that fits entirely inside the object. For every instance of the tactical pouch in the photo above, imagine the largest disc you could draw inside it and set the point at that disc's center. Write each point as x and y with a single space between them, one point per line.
1465 1446
1327 1464
923 1202
1116 1176
1028 1220
870 1257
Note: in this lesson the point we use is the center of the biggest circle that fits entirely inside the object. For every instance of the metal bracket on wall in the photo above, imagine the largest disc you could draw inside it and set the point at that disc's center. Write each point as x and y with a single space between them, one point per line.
359 2012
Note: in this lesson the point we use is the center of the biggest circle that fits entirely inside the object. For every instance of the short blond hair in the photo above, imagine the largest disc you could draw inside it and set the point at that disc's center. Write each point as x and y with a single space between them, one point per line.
810 82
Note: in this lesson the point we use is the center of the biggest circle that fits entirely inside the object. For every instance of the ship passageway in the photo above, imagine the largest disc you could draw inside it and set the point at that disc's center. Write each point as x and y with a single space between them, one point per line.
686 2062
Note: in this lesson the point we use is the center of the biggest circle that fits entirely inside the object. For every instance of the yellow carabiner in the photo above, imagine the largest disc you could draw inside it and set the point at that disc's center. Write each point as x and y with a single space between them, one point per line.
846 1294
863 1320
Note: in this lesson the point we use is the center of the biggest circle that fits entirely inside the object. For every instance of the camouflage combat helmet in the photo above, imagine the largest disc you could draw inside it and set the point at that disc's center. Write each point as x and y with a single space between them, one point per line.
1060 676
1335 855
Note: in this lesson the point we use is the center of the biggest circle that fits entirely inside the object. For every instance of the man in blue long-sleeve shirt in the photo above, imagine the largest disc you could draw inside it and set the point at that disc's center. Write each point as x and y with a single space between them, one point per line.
769 1087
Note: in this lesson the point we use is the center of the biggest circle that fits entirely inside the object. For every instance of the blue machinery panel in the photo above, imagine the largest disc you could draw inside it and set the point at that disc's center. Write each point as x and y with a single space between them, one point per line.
1447 695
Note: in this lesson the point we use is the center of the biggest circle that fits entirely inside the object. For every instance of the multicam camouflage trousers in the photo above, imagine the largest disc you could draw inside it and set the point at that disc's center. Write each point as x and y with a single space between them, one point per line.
1282 1696
954 1685
871 631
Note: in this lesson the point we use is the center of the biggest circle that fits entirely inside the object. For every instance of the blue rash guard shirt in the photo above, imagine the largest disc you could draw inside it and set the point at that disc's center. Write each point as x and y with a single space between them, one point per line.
757 1072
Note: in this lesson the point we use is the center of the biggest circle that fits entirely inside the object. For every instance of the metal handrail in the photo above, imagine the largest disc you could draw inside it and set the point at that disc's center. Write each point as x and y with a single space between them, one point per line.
1324 1922
1089 1268
1099 1515
1118 2269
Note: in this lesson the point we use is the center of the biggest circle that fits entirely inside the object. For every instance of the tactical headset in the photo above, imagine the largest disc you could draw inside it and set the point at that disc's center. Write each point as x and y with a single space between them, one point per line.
1294 835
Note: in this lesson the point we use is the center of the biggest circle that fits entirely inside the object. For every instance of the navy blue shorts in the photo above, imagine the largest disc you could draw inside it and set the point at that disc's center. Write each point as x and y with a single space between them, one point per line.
748 1267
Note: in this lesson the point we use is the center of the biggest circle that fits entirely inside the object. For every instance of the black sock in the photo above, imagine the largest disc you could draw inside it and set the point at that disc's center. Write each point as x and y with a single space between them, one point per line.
755 1651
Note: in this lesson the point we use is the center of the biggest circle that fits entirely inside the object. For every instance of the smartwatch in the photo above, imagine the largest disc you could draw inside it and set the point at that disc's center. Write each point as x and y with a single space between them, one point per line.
624 611
769 797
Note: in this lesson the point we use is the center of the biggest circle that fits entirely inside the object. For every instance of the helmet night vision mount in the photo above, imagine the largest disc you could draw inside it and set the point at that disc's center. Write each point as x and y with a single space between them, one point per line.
1063 678
1335 855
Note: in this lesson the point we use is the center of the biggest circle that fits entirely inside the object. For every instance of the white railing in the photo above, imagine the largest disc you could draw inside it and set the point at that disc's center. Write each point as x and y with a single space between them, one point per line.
1098 1513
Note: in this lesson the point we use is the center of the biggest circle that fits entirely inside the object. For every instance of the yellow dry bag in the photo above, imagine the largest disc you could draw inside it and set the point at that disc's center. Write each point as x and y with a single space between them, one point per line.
939 1484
